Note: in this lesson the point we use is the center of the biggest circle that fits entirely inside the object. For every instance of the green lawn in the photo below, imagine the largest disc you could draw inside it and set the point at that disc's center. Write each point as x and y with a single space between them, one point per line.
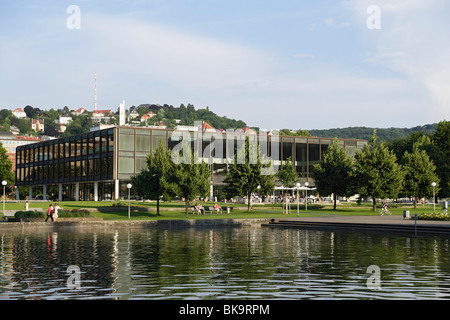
175 210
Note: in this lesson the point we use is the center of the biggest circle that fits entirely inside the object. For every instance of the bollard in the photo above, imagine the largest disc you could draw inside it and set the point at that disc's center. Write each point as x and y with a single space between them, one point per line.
406 214
415 224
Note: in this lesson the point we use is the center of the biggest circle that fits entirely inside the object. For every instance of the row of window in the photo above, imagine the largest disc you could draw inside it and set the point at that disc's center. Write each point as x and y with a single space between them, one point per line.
90 156
94 143
85 157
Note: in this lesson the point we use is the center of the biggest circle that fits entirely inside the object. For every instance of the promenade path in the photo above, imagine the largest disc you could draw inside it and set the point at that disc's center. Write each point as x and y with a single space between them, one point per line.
376 223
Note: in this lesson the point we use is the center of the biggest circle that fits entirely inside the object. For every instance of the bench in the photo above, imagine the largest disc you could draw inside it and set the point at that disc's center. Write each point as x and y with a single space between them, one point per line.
211 210
9 213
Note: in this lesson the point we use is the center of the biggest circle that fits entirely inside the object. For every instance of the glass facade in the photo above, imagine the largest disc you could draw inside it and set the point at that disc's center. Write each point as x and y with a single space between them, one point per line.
102 162
80 158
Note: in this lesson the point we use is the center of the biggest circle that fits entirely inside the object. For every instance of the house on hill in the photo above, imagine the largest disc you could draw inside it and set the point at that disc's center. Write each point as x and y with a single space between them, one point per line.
19 113
37 125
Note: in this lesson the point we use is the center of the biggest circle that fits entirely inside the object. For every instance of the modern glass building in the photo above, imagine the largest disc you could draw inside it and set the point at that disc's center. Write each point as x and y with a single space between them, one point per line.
98 165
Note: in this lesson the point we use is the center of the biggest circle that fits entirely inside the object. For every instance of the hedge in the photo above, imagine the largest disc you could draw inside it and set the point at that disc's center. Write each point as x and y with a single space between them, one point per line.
75 213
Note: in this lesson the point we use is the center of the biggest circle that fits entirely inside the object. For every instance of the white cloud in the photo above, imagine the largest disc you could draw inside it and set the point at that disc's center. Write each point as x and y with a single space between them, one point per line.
174 56
412 41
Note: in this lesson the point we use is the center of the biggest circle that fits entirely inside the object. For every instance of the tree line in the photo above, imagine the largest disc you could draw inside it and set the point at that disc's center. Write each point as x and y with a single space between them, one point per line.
376 171
404 168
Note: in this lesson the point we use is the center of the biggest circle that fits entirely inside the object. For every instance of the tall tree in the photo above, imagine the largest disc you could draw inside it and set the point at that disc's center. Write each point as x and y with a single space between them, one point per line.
248 172
441 139
192 175
156 181
334 173
377 173
6 173
420 172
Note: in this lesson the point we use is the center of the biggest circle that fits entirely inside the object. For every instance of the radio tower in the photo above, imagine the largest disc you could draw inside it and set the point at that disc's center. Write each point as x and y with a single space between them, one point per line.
95 93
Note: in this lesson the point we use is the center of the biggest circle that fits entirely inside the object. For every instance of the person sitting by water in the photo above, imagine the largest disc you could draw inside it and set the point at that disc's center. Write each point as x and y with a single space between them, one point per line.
201 210
217 208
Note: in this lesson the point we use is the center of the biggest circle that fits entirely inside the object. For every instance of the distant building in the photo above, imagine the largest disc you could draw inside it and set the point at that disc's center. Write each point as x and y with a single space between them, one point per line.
79 111
99 115
37 125
64 119
122 114
10 142
19 113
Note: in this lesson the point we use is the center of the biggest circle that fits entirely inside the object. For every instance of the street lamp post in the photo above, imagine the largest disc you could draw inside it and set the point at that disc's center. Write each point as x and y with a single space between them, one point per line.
433 184
129 188
4 183
297 185
306 196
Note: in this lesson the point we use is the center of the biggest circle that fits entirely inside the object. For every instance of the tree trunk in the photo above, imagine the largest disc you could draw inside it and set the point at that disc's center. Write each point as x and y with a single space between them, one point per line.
335 201
186 206
249 201
157 207
374 208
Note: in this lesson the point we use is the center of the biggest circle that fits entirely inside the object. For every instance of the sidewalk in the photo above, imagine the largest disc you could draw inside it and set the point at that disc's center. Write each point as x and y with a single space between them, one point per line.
372 223
375 219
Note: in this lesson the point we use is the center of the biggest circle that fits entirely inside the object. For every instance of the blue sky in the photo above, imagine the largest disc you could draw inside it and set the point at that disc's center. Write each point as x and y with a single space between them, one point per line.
274 64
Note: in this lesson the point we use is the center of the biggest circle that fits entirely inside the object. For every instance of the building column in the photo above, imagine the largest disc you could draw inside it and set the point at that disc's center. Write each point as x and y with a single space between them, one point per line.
17 194
77 191
116 189
60 192
95 190
30 193
44 192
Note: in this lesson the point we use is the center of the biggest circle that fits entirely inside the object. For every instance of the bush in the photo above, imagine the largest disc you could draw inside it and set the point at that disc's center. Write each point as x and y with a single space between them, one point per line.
74 213
119 204
443 216
29 214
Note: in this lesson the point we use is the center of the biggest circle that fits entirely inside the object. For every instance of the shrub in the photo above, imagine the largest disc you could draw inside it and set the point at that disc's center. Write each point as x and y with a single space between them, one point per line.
443 216
29 214
119 204
74 213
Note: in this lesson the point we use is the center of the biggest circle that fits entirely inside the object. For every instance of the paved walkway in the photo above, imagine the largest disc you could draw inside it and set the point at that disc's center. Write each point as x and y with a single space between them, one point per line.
374 223
375 219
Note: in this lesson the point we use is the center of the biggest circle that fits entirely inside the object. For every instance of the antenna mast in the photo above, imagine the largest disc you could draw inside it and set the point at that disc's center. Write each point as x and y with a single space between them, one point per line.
95 93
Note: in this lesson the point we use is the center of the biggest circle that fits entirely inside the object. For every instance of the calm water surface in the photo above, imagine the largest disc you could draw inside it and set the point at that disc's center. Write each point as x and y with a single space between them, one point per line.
221 263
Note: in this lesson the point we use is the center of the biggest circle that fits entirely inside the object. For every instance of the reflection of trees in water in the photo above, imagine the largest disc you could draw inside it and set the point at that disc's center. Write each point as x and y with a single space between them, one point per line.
161 261
40 258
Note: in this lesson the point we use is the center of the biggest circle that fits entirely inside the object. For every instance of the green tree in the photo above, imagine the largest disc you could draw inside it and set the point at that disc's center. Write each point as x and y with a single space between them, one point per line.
334 173
287 174
6 164
441 139
420 172
156 181
377 173
191 174
248 172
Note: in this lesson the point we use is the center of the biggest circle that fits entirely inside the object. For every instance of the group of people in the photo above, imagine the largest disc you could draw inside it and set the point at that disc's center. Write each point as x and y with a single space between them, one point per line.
200 210
52 212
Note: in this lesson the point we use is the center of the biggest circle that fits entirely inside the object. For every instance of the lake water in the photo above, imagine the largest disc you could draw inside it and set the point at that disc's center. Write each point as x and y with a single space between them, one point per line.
222 263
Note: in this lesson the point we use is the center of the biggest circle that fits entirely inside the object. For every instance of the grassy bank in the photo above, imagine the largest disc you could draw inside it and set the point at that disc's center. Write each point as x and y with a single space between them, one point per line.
175 210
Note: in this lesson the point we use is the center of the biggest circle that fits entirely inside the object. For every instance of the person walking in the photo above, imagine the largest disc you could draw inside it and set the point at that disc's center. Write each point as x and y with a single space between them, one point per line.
50 213
55 211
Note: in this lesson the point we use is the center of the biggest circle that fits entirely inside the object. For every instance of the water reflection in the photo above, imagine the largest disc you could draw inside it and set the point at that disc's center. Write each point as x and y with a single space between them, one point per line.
223 263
